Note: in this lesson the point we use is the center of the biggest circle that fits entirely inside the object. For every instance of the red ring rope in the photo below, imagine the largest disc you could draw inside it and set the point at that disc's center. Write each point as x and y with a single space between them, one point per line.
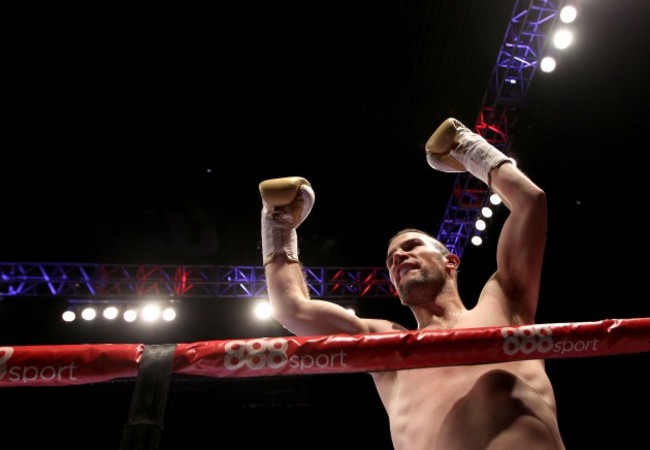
301 355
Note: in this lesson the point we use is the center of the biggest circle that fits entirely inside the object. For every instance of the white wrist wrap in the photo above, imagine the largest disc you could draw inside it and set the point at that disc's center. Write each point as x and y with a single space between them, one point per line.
278 235
477 154
472 153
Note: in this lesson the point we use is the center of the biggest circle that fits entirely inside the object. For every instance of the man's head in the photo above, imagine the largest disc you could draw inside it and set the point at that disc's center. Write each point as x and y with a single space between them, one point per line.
443 250
418 263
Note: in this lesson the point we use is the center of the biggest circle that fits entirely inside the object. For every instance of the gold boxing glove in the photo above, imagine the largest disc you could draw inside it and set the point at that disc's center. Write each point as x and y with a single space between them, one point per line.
286 202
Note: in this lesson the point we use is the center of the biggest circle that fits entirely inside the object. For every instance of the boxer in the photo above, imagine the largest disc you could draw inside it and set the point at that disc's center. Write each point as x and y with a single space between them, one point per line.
498 406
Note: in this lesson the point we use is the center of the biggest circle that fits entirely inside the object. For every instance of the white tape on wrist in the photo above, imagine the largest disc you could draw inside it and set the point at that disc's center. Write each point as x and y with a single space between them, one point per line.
478 155
278 239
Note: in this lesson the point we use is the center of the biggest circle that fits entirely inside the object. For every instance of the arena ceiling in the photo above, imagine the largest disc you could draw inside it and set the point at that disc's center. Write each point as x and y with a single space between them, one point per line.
141 136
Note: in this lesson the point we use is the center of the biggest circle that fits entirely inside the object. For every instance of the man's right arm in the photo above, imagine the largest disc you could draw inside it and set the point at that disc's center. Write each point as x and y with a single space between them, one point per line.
286 203
301 315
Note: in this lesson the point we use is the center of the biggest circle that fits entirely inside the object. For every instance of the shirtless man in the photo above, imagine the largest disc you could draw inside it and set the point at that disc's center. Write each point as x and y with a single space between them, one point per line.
505 406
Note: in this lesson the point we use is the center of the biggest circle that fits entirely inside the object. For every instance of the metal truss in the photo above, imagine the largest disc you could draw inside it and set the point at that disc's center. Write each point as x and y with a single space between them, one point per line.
122 281
523 46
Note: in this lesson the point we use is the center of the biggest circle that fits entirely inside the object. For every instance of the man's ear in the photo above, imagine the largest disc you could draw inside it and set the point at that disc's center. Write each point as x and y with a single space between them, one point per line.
453 261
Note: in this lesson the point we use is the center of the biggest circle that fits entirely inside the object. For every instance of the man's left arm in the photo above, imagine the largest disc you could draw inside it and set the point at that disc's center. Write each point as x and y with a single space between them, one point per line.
520 250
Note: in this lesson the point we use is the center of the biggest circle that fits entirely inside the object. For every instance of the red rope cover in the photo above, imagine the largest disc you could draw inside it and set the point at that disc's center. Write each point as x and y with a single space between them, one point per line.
302 355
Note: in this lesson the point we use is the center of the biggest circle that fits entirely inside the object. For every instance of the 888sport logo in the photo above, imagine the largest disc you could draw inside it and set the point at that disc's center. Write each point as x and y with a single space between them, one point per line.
527 339
256 354
259 354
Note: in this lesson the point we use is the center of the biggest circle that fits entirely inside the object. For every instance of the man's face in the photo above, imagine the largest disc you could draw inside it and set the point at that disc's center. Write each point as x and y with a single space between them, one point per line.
410 255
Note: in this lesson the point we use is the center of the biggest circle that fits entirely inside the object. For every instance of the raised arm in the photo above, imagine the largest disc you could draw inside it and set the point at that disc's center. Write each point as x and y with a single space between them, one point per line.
286 202
520 250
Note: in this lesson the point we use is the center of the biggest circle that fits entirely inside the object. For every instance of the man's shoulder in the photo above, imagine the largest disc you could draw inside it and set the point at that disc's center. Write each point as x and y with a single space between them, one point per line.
383 326
485 314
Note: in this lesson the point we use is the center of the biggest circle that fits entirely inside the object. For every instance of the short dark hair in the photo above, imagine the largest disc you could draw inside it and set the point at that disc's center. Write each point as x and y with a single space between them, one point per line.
444 250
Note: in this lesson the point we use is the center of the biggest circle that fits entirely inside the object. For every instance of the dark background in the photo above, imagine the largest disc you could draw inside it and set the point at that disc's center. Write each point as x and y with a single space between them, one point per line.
139 137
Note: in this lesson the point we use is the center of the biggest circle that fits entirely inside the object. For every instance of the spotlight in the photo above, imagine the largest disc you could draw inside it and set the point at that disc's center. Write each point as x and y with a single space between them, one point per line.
168 314
562 39
130 315
548 64
150 313
110 312
88 313
495 199
568 14
263 310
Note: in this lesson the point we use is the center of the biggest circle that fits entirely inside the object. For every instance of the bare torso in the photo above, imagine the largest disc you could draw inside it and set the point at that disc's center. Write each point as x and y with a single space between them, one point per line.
501 406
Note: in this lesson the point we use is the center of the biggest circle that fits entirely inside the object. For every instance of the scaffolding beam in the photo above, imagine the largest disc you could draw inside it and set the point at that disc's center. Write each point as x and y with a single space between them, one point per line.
522 48
133 281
